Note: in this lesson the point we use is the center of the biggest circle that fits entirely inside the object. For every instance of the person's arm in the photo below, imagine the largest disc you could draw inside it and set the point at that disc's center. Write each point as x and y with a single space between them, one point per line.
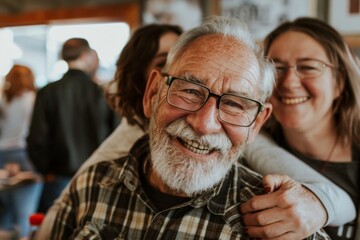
265 157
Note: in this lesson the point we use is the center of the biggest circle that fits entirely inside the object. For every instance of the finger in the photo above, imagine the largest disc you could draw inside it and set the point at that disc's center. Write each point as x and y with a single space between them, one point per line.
259 202
275 230
265 217
273 182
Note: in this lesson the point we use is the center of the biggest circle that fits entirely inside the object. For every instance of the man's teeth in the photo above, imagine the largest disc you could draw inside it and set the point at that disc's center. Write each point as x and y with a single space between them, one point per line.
196 147
294 100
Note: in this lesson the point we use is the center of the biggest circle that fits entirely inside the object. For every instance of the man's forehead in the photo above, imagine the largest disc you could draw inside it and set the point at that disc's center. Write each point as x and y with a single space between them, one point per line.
218 43
223 53
224 64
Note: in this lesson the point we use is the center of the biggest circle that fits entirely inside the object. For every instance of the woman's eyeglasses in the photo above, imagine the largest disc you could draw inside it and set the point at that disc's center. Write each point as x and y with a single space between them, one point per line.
309 68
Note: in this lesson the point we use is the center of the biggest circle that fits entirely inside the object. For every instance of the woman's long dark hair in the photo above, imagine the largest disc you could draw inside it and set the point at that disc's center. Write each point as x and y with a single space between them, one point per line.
132 65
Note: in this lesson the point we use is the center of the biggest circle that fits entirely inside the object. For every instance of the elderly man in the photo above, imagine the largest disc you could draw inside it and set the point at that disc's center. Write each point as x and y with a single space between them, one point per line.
183 181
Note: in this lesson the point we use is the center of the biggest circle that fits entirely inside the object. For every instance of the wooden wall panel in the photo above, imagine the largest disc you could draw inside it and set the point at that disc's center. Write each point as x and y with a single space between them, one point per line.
129 13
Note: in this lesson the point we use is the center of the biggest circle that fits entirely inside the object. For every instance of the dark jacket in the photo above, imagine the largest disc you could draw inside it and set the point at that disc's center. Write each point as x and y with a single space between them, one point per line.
70 120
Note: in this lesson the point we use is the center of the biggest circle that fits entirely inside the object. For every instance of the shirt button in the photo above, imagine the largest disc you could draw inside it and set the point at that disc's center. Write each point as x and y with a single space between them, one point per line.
130 184
198 202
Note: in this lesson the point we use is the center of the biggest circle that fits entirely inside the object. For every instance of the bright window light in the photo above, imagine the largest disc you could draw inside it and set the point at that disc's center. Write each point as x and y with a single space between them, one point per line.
39 46
9 51
107 39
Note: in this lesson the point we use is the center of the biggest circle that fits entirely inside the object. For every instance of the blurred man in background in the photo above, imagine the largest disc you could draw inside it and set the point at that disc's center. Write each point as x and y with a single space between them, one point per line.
70 120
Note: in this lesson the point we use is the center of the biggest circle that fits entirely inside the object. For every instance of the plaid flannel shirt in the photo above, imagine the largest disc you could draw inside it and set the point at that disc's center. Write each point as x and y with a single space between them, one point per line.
107 202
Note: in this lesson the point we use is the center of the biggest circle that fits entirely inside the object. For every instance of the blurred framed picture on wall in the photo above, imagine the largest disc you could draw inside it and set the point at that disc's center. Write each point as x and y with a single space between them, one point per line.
263 16
344 15
185 13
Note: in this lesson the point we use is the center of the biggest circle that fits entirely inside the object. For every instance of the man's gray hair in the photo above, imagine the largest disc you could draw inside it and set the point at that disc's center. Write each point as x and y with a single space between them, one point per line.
233 28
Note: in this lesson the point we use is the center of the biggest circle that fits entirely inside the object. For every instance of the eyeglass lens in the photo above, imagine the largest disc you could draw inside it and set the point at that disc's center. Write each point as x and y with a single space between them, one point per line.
303 69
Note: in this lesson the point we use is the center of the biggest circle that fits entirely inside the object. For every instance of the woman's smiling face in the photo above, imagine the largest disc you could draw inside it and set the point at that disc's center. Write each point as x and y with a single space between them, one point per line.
301 103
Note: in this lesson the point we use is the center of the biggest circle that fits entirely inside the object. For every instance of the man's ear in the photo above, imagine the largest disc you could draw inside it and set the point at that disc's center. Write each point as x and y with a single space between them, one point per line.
151 90
259 122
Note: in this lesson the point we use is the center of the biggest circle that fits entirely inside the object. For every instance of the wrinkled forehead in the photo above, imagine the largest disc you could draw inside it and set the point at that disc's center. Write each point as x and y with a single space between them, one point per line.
222 63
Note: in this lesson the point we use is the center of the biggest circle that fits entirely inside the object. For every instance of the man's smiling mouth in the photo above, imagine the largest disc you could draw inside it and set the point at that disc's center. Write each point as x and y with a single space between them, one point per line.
195 147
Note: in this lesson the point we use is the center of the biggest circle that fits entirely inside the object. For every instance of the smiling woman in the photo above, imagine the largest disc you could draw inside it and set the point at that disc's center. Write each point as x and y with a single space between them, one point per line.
316 112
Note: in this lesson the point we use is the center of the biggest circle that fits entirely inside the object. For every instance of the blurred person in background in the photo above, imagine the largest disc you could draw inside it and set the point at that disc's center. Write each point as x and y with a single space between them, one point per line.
70 120
18 202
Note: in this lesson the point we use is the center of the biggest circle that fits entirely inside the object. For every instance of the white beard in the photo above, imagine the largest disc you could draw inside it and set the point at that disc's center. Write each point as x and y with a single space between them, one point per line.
180 172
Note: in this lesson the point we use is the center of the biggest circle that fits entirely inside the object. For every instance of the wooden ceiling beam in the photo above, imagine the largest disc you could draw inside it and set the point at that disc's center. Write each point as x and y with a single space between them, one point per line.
129 13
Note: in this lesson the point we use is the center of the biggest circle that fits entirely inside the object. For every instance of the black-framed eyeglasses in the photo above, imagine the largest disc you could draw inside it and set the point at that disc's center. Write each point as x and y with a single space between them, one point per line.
192 96
307 68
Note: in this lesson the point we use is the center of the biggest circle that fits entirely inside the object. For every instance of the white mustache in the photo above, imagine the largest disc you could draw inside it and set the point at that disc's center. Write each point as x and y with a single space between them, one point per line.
180 129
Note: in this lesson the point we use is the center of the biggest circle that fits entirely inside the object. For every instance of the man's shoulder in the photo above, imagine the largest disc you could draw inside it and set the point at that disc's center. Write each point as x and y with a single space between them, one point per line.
49 88
103 167
108 171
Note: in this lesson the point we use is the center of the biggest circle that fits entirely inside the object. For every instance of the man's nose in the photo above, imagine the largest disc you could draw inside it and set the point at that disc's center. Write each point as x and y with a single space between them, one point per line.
206 121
